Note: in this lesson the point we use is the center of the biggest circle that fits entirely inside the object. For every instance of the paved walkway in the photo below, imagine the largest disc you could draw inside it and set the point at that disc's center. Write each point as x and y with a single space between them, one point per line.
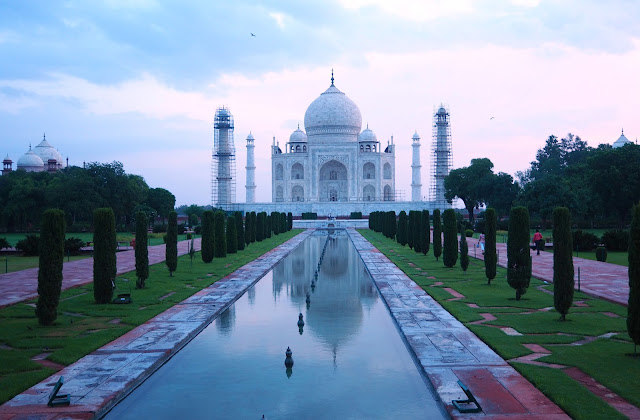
600 279
22 285
99 380
448 351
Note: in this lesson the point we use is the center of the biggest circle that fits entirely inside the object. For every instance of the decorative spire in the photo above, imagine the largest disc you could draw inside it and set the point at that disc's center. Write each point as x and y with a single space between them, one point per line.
44 136
623 131
29 146
331 77
298 126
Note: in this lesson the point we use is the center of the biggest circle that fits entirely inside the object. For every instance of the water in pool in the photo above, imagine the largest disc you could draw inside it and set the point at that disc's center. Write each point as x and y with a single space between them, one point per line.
349 359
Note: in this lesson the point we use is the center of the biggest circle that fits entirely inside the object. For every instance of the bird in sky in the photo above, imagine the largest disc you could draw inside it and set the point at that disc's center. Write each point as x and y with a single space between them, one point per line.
252 34
491 118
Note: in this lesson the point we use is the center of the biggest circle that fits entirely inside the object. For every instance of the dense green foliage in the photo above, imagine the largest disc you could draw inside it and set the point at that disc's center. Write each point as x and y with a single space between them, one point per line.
253 226
50 266
416 216
290 220
450 242
616 240
274 223
142 249
425 232
30 245
490 255
208 234
4 243
309 216
437 234
402 228
464 253
269 225
355 215
601 254
392 226
104 254
411 226
260 226
240 229
518 256
232 235
171 250
583 241
247 228
563 281
220 240
633 307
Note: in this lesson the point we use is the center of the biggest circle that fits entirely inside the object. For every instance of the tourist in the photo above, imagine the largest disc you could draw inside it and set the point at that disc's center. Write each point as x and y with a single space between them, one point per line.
538 240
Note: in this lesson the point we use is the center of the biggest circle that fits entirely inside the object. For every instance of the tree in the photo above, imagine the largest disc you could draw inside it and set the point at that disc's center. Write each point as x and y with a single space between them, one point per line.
490 255
425 231
161 200
253 226
274 222
171 250
232 235
543 195
260 226
247 228
269 226
437 234
471 184
220 240
393 228
464 253
208 233
563 282
283 222
289 221
411 226
402 228
450 246
518 255
240 230
50 265
417 246
503 192
142 251
104 254
633 307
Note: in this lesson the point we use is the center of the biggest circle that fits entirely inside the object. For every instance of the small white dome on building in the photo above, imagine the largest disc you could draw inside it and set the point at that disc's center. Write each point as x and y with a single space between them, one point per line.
250 136
367 135
30 162
332 113
47 152
622 140
298 136
415 136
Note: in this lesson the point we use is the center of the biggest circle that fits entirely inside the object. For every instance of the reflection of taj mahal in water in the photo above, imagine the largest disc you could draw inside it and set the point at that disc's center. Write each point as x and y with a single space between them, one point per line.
335 167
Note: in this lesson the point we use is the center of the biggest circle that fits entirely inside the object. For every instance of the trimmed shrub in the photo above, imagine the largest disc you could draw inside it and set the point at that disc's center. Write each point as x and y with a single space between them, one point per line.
290 220
633 307
260 226
142 250
159 228
411 226
283 222
247 228
30 245
468 233
490 255
274 223
171 249
220 240
206 246
601 254
464 253
72 246
5 244
232 235
417 216
269 225
104 254
616 240
393 226
582 241
240 229
480 225
425 232
402 228
518 256
563 281
197 230
355 215
309 216
181 229
50 265
450 243
437 234
253 226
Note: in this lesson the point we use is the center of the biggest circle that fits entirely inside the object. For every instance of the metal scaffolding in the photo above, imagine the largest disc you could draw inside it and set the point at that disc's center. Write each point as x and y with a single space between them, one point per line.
442 156
223 162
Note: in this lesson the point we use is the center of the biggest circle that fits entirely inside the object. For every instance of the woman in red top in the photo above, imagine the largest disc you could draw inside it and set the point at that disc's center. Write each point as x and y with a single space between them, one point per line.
538 240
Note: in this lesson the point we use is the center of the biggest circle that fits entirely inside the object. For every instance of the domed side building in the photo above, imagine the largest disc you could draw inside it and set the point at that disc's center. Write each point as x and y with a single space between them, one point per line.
333 160
43 157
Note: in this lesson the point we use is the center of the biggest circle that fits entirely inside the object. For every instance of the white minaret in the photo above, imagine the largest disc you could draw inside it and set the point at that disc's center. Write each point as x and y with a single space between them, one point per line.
251 171
416 185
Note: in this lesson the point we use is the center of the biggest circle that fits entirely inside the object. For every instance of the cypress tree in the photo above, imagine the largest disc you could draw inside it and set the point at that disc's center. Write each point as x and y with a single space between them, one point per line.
264 225
393 225
50 265
417 237
220 241
269 225
563 281
142 250
206 247
490 255
289 221
437 234
283 222
403 227
411 225
518 256
425 231
104 254
274 223
239 230
232 235
450 245
253 226
260 222
171 249
247 228
464 253
633 307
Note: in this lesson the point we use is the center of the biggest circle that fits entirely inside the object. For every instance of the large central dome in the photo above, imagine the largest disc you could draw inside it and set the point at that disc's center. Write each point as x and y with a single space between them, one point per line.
332 113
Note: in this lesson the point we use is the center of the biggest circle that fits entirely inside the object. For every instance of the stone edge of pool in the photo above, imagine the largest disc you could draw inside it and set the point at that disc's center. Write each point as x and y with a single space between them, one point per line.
101 379
448 351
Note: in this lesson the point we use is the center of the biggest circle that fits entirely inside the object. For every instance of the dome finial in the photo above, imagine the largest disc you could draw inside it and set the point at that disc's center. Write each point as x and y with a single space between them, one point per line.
331 77
623 131
44 136
298 126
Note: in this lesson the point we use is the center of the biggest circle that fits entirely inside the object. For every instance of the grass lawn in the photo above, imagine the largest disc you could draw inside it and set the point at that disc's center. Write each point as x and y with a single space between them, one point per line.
83 326
534 317
11 263
154 238
613 257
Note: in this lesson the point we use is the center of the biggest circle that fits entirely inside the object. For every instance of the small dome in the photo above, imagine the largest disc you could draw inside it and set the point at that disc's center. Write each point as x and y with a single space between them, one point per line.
250 136
441 110
367 135
415 136
332 113
47 151
7 159
622 140
298 136
30 162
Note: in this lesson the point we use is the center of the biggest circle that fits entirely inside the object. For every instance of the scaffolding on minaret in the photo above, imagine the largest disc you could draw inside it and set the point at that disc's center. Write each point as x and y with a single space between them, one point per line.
442 156
223 161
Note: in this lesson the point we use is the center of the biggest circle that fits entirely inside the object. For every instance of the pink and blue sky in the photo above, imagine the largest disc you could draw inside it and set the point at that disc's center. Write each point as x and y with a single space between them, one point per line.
138 81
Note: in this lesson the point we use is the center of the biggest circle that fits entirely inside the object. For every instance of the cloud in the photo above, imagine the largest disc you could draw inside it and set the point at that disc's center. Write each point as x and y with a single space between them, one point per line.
421 11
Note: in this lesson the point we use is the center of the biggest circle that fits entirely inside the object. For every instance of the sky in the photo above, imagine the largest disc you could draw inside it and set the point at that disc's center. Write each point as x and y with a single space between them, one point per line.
138 81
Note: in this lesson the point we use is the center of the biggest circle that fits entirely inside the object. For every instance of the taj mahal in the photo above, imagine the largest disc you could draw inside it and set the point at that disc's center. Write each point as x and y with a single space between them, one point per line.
333 166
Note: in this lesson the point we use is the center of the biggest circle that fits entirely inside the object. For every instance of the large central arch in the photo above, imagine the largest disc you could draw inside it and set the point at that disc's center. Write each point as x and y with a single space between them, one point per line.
333 184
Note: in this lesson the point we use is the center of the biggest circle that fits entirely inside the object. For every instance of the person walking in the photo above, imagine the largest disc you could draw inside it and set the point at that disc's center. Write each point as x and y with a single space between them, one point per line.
538 240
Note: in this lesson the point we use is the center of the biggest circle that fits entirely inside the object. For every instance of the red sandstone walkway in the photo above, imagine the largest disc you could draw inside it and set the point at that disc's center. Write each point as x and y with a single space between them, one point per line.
600 279
23 285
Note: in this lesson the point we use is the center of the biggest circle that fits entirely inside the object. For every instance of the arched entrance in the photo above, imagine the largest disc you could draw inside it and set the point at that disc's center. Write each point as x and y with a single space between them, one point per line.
333 182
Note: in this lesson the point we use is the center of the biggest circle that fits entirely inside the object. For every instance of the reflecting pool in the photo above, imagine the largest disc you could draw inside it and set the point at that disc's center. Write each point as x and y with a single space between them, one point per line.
349 359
